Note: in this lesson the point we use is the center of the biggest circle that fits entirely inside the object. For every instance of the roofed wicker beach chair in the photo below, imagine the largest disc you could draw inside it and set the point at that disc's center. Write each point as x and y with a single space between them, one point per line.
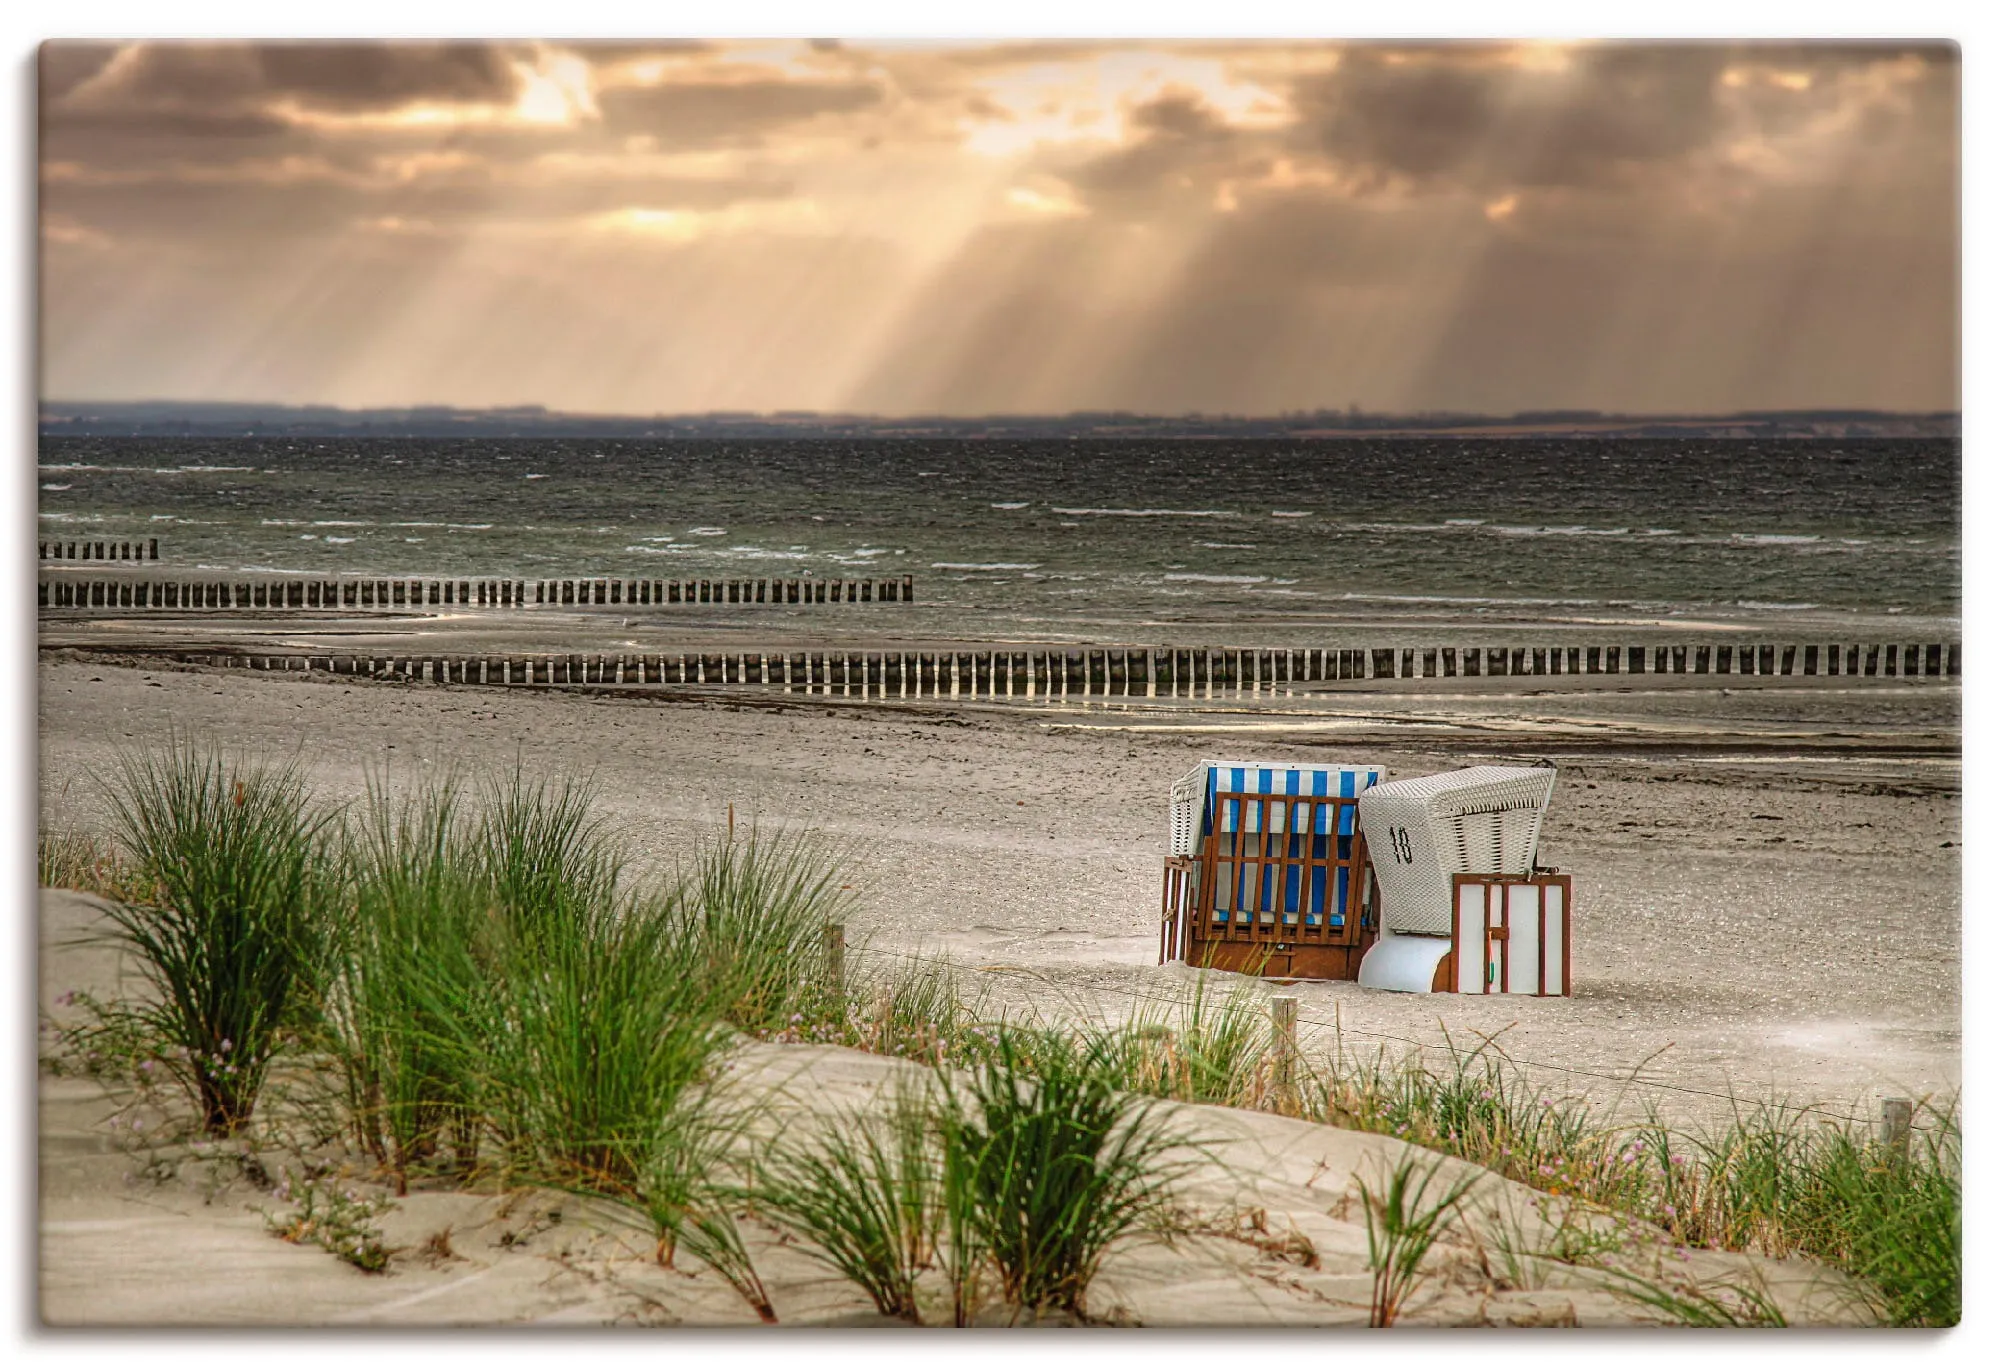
1265 868
1427 835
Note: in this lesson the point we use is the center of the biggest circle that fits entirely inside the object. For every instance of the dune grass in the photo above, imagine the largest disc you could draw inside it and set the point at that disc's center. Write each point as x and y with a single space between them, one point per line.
408 968
866 1196
499 987
1405 1217
1053 1163
751 912
1773 1179
1210 1046
232 939
80 861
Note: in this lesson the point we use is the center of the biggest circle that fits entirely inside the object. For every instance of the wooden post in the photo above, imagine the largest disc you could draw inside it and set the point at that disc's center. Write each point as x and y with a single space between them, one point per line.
834 940
1895 1134
1284 1049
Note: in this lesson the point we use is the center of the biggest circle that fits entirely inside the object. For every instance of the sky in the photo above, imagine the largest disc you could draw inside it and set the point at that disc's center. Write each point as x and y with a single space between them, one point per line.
1017 227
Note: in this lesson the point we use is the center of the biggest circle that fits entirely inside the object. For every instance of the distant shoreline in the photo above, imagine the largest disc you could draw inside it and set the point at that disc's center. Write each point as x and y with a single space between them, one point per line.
216 420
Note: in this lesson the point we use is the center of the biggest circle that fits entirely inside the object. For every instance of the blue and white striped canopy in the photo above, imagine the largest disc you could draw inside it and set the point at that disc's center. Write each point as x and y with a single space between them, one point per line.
1293 780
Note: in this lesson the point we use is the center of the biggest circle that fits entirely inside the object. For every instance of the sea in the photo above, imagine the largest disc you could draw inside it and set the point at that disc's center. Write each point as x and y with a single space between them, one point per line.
1079 537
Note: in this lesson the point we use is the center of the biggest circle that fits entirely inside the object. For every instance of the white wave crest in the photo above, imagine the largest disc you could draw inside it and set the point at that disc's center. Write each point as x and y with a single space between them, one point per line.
1142 512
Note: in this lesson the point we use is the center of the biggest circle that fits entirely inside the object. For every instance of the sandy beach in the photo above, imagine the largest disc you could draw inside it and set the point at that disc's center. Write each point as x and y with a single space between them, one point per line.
1766 876
1767 907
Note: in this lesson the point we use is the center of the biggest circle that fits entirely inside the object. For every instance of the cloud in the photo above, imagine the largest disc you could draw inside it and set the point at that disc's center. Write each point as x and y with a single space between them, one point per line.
692 113
1157 225
193 80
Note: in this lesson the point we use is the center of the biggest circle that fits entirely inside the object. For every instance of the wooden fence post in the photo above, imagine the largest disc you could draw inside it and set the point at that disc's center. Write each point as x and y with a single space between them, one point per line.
1896 1126
1284 1049
834 940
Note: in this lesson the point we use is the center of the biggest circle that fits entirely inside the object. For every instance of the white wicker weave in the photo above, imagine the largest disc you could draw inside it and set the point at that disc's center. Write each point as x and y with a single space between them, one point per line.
1422 830
1189 795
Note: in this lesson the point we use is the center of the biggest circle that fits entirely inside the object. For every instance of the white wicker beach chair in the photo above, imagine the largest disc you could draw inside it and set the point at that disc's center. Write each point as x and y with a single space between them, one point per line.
1421 831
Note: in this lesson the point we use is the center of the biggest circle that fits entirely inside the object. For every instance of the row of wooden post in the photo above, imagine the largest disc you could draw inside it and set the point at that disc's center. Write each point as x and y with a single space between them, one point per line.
990 674
323 594
148 549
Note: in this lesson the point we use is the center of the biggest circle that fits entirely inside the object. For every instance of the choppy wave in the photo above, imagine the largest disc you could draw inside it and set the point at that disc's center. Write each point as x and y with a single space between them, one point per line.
1689 526
1142 512
1455 600
1403 526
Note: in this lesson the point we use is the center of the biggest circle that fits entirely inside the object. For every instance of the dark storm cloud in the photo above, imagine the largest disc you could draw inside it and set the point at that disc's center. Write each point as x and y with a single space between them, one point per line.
1180 147
64 66
371 75
194 78
1466 115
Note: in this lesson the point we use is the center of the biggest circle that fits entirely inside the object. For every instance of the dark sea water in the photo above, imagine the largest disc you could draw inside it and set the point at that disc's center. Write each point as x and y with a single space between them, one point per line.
1861 533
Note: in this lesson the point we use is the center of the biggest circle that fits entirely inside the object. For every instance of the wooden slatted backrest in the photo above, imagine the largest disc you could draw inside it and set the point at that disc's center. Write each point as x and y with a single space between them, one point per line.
1279 868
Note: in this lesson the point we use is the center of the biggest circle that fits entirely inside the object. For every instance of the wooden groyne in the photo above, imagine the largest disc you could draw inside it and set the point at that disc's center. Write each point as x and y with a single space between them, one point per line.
378 594
1054 675
148 549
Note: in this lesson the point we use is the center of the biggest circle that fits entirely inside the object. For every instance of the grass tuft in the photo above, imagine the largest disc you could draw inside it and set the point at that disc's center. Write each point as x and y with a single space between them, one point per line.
1404 1222
232 939
1051 1164
867 1196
